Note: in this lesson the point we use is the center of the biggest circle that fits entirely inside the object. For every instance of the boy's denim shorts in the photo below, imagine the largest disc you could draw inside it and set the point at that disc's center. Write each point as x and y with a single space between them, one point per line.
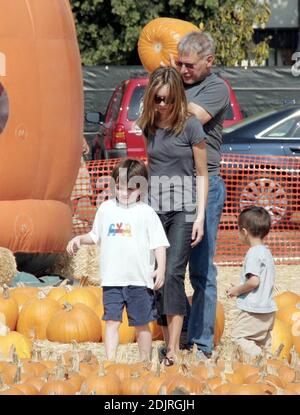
139 303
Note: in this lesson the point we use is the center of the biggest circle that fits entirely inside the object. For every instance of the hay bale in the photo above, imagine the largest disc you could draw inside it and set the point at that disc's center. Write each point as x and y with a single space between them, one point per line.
84 263
8 266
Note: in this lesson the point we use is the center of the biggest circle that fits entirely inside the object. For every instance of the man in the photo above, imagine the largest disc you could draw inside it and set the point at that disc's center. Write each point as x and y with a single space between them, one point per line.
208 99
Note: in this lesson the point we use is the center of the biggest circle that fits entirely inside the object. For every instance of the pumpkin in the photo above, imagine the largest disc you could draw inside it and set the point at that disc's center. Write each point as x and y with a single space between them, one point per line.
289 314
124 370
286 298
219 322
58 387
133 385
35 315
57 292
186 382
281 335
35 215
153 382
78 322
80 295
27 388
22 344
156 331
11 391
35 381
8 309
159 38
20 297
102 383
246 389
296 337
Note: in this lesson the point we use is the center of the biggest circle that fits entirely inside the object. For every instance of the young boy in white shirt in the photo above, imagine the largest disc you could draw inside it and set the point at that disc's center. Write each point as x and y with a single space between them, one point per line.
131 237
254 324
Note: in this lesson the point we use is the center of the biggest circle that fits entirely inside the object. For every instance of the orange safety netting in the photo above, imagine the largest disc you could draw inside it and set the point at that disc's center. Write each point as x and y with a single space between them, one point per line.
268 181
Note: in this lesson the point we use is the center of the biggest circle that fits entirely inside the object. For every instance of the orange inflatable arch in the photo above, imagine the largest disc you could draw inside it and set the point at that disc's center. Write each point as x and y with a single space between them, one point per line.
41 124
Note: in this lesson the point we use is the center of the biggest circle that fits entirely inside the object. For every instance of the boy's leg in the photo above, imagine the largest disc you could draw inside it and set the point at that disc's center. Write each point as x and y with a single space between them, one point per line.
144 340
248 346
111 338
251 331
140 305
113 303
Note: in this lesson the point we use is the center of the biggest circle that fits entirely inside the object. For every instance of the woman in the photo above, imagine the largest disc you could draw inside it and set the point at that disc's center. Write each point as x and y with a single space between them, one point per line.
176 155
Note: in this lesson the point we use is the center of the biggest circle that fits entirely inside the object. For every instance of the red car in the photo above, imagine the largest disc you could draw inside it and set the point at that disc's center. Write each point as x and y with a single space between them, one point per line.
119 136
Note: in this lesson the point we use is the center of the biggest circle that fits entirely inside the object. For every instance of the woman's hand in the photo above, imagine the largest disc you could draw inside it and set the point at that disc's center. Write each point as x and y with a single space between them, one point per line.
197 233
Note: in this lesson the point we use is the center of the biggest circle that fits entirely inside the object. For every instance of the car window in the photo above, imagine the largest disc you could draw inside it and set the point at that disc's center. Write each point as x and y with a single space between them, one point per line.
229 113
113 108
248 121
136 103
288 128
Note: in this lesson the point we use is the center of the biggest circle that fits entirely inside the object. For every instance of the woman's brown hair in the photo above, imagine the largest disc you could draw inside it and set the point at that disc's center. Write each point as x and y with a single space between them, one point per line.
178 112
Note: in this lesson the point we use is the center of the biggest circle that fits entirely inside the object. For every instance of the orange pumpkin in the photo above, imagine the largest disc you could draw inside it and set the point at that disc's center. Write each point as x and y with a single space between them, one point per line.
58 387
41 144
80 295
102 383
159 39
9 309
289 314
22 344
35 315
286 298
281 335
78 322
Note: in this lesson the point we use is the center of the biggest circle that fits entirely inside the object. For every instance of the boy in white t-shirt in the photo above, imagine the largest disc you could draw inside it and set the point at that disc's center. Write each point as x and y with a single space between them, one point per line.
253 327
132 238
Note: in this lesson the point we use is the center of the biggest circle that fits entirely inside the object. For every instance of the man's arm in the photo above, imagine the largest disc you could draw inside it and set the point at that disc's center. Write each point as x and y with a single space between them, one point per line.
199 112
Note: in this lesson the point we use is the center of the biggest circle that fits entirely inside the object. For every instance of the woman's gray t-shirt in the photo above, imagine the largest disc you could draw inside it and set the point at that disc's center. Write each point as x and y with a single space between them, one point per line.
172 177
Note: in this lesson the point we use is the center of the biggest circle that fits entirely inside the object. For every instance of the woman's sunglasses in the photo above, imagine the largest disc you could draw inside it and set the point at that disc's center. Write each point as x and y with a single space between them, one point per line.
159 99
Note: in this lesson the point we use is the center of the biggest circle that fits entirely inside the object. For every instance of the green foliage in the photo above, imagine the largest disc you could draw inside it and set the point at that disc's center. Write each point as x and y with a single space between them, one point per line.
108 30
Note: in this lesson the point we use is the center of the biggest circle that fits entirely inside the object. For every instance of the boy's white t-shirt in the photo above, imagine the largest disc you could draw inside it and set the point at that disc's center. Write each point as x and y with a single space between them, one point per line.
127 235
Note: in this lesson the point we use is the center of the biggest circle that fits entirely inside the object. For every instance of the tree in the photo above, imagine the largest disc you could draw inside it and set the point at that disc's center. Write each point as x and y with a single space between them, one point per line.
108 30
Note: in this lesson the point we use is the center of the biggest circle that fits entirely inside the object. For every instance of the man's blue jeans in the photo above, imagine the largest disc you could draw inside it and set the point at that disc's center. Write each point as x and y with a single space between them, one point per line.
203 272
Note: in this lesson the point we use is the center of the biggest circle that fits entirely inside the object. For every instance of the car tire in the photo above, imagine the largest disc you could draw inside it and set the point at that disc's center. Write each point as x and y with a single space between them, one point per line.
269 194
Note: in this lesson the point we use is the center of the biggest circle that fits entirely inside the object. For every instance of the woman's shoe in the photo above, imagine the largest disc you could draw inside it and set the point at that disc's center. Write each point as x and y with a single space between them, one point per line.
169 361
162 351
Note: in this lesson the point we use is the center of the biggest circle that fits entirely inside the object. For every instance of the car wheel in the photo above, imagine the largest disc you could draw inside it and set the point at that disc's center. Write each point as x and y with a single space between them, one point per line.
269 194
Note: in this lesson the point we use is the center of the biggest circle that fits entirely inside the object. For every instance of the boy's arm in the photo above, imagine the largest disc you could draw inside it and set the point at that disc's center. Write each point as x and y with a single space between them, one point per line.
78 240
250 285
159 273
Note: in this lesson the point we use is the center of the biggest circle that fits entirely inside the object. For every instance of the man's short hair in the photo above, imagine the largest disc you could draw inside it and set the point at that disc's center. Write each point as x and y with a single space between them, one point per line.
199 42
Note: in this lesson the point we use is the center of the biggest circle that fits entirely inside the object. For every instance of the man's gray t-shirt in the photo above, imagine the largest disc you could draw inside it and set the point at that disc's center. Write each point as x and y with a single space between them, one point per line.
212 95
259 262
170 156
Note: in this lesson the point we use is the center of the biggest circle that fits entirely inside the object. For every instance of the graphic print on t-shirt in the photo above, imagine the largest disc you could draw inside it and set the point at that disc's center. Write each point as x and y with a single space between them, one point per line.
119 229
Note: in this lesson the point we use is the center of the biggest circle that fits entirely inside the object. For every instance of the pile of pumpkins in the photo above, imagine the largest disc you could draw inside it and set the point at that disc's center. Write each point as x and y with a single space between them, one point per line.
64 314
72 314
81 373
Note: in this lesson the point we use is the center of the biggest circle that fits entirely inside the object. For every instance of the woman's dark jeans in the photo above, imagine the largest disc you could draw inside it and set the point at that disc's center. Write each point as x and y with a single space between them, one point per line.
171 299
